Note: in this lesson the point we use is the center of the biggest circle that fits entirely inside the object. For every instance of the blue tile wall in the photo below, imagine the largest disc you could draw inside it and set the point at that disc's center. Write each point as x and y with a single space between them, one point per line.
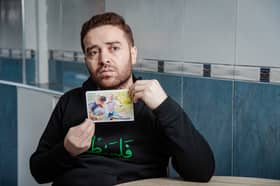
257 116
10 69
208 103
249 138
55 75
66 75
74 74
30 71
171 83
8 135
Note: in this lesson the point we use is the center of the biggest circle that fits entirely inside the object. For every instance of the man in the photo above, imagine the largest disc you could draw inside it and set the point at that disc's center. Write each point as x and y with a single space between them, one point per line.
75 151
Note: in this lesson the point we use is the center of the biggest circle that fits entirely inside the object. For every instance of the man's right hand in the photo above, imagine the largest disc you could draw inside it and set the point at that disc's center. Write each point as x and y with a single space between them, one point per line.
78 138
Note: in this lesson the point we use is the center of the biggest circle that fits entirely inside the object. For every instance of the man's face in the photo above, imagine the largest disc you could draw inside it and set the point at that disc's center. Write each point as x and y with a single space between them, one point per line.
109 57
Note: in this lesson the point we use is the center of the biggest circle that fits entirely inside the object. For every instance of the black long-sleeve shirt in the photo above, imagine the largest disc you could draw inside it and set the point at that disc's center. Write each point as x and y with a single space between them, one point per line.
123 151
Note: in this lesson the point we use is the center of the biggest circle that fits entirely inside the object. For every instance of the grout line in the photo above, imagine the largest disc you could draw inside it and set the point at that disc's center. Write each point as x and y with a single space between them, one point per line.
233 132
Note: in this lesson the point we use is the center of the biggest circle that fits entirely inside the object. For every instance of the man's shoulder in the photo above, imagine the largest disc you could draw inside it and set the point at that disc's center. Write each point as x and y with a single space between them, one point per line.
74 96
73 93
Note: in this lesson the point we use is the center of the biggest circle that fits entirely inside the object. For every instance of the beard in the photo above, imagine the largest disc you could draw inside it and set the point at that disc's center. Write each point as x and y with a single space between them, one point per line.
118 79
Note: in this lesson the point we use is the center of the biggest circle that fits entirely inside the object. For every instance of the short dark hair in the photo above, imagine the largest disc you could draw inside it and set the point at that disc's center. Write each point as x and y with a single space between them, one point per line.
102 98
108 18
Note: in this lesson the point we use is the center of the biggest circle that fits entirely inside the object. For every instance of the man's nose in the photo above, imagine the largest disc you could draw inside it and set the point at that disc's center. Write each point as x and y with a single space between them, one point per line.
104 57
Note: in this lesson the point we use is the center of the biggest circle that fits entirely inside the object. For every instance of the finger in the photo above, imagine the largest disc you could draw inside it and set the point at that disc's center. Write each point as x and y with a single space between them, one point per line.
82 134
137 89
88 140
130 90
89 132
89 121
147 84
142 82
83 126
138 83
77 131
137 96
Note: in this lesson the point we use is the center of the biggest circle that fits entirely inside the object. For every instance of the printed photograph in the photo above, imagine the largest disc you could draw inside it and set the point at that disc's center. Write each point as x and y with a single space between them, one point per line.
109 106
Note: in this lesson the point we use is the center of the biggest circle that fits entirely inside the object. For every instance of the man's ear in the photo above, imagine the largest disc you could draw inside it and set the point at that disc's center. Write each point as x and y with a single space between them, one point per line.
133 52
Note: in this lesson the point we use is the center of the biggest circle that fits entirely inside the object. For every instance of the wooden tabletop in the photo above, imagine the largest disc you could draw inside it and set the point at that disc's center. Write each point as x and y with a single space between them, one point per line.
215 181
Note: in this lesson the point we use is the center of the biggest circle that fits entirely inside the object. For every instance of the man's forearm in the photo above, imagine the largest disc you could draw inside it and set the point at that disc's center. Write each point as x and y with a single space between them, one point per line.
191 155
45 165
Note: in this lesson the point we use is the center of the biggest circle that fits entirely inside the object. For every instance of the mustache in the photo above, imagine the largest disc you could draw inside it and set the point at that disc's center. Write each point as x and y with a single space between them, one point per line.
106 68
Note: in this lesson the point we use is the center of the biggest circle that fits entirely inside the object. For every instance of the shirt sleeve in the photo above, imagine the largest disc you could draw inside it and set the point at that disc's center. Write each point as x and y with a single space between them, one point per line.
51 158
191 155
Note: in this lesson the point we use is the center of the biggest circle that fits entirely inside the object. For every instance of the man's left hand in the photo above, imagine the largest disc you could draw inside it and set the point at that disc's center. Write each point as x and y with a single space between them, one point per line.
150 91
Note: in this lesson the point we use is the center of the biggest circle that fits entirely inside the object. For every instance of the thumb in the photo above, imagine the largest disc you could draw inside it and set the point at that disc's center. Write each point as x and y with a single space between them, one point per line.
89 122
86 123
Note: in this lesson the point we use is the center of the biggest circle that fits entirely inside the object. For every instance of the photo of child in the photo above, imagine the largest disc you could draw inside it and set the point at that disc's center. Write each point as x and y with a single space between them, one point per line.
109 106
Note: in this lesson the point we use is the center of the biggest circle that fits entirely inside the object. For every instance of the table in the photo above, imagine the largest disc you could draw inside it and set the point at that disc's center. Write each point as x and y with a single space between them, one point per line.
215 181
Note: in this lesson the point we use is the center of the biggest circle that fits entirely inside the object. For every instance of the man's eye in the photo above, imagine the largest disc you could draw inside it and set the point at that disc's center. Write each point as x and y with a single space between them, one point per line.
115 48
92 53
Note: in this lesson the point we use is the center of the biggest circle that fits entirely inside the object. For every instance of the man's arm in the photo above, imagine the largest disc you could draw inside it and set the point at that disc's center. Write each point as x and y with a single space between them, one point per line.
192 157
51 157
57 153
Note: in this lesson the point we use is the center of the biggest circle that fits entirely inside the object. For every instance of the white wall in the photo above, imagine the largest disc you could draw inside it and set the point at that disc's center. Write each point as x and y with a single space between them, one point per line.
10 24
190 30
243 32
65 19
158 31
30 24
32 120
209 31
258 32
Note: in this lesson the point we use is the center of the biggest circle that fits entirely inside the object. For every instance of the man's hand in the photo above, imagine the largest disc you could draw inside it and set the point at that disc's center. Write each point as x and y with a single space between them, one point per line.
78 138
149 91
